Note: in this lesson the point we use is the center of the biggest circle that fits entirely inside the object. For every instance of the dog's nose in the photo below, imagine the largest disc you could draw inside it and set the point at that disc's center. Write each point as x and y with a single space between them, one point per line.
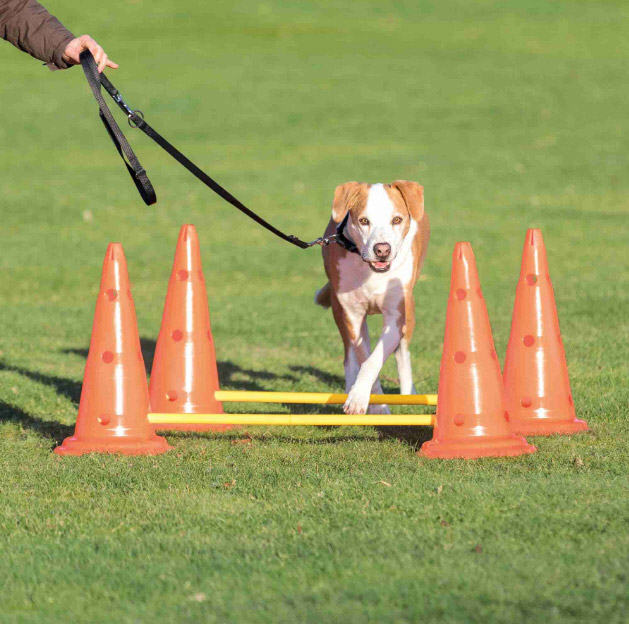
382 250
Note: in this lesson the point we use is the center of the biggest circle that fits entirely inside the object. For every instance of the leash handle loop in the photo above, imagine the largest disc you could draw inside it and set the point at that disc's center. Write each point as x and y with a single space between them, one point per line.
135 169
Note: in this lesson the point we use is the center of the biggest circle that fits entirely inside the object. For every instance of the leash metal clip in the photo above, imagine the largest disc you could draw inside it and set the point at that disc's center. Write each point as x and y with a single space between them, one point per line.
118 99
323 241
130 112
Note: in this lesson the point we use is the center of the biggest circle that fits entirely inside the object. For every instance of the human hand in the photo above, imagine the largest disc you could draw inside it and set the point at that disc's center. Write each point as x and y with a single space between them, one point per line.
85 42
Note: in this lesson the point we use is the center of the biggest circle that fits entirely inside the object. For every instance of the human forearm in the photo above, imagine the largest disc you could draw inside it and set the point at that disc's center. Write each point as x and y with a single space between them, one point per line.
28 26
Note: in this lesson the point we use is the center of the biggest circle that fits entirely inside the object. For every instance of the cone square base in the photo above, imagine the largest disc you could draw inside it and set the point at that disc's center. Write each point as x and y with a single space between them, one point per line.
509 446
542 427
189 427
151 446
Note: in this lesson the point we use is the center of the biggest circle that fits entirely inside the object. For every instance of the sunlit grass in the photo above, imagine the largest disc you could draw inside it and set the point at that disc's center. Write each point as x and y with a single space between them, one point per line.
511 116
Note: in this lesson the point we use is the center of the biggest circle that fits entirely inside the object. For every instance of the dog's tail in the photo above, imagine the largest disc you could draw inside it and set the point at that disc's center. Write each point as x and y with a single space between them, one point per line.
323 296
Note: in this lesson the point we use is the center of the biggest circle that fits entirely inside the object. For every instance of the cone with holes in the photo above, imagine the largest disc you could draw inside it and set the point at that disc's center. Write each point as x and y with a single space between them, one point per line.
471 420
114 404
184 376
537 388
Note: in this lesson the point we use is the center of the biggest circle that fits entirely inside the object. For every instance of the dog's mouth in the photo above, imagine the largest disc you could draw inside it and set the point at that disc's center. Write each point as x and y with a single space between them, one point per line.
379 267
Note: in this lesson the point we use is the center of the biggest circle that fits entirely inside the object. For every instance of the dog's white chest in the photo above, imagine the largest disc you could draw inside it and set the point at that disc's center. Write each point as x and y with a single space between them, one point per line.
362 290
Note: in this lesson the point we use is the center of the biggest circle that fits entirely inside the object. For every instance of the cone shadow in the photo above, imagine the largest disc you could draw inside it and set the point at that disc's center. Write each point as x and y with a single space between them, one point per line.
51 429
66 387
229 373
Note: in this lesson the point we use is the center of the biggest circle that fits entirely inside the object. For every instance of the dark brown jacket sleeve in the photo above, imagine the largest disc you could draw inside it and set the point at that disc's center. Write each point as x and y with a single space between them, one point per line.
28 26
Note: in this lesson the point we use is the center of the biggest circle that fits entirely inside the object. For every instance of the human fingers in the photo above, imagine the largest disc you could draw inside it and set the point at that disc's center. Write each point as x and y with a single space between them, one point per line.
85 42
97 53
100 56
102 63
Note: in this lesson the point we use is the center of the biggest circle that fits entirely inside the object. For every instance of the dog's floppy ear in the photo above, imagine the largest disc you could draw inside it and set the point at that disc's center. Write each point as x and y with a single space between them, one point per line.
344 195
413 195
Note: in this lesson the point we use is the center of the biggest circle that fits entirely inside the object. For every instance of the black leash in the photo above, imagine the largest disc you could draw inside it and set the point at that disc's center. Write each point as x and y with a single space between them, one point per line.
138 174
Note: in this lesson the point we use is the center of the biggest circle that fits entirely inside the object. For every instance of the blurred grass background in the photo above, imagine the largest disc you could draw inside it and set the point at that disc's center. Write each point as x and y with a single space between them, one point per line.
510 114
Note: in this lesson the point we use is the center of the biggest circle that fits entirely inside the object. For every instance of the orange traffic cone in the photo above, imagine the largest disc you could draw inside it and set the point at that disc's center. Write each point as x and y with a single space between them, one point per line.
114 404
184 376
471 420
537 388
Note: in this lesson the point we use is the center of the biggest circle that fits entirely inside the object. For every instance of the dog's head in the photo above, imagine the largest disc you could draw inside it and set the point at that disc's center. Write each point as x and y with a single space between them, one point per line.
380 217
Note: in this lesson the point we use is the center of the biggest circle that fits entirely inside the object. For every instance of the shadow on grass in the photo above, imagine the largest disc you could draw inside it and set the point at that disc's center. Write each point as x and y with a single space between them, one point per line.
330 380
244 432
336 383
307 408
239 378
230 375
51 429
66 387
412 436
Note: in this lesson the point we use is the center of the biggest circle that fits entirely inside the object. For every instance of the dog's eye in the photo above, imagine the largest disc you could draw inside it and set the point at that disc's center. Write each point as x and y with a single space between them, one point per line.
397 220
363 221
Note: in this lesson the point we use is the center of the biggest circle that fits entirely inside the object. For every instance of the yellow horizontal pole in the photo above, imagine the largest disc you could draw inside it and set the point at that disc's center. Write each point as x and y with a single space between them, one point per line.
291 419
321 398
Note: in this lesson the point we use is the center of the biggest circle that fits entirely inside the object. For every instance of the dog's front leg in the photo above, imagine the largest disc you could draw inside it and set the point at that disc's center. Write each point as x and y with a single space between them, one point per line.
352 324
358 397
376 388
357 350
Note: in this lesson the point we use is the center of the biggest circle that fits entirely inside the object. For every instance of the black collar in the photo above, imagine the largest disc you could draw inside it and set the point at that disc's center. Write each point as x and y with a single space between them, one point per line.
342 240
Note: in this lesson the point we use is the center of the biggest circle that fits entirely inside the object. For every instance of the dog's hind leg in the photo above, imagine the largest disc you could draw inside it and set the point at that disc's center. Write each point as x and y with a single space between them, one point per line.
403 360
406 325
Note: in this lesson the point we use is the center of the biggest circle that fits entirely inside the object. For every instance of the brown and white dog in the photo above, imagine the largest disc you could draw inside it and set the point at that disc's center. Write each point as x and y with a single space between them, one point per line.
388 225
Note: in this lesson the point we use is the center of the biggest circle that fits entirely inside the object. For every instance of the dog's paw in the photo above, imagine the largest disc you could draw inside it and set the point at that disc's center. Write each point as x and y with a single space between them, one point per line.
357 402
379 409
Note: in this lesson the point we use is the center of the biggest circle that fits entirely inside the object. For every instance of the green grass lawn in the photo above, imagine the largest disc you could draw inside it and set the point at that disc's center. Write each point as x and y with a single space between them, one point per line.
512 115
